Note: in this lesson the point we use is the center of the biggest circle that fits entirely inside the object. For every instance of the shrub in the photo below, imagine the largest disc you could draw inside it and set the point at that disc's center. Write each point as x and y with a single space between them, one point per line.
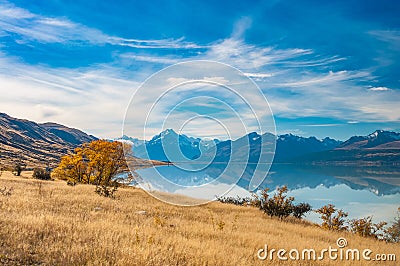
279 205
6 191
40 173
18 168
301 209
393 232
236 201
107 190
366 228
332 218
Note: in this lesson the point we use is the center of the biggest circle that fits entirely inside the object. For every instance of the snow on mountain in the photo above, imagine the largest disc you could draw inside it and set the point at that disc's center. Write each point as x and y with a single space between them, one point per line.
288 146
373 140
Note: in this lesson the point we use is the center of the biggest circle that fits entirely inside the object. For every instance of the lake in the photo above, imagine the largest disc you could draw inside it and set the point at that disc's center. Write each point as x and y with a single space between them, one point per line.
360 191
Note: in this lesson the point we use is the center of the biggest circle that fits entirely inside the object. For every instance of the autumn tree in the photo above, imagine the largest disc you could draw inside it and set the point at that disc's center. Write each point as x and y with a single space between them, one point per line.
98 162
332 218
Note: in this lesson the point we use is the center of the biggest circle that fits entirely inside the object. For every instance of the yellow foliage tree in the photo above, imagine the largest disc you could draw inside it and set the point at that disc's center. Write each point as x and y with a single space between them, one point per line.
98 163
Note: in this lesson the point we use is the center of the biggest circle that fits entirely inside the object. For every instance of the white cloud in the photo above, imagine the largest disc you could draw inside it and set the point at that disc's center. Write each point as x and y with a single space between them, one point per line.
390 36
93 99
246 56
10 11
325 79
240 27
154 44
34 27
259 75
151 59
335 94
322 125
379 89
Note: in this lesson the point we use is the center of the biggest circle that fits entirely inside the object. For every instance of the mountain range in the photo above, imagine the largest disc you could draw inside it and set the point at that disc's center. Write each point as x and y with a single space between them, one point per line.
36 144
379 147
44 144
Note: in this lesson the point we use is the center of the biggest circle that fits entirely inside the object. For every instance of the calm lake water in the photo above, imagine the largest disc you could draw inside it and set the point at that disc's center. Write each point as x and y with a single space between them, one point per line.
360 191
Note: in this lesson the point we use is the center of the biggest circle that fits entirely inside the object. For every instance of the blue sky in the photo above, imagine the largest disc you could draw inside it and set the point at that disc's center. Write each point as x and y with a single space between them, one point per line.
327 69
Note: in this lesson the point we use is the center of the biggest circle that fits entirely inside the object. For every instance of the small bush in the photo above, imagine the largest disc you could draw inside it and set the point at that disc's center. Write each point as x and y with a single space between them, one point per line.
332 218
18 168
301 209
366 228
6 191
393 232
236 201
107 191
42 174
279 205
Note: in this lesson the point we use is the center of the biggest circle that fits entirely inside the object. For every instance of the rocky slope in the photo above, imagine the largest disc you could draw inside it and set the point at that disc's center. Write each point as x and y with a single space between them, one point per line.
36 144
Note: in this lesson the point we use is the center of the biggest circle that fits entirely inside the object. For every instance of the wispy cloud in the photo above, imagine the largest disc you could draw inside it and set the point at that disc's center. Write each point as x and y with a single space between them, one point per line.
341 95
84 98
247 56
35 27
298 81
166 60
259 75
390 36
328 78
321 125
155 44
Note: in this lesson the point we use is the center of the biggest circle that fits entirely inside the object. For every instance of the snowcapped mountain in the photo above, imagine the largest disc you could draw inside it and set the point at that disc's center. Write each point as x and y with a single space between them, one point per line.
171 146
379 139
135 142
289 146
380 147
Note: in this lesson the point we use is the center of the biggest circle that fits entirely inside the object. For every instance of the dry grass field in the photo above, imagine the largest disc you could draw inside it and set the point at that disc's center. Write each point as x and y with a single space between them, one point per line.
50 223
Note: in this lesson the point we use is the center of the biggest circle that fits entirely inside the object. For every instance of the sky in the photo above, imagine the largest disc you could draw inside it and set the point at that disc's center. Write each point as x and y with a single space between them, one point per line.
325 68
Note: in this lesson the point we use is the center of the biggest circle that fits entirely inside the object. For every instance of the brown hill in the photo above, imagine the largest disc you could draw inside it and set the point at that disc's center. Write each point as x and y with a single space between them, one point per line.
36 144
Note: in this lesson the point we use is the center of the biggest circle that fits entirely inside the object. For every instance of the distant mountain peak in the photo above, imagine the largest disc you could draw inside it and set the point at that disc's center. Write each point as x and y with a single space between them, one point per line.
374 140
168 131
254 136
289 147
382 133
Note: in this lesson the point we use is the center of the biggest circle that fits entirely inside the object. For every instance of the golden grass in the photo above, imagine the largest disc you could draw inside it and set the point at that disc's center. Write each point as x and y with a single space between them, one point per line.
50 223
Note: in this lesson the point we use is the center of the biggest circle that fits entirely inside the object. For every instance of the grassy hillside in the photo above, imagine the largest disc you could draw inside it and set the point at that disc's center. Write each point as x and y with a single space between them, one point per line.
48 222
